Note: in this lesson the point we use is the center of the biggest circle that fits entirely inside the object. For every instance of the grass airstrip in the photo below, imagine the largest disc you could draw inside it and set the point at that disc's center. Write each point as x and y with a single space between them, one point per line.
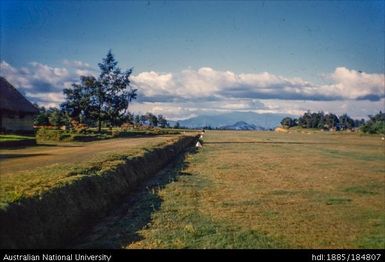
260 190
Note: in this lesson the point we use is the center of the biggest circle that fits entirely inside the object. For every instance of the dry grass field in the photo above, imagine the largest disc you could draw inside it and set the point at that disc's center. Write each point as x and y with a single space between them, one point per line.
261 190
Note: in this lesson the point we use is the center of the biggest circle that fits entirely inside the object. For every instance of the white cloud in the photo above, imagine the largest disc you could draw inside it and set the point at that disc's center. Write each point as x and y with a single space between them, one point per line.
40 83
209 83
355 108
179 111
354 84
192 92
76 64
152 83
183 110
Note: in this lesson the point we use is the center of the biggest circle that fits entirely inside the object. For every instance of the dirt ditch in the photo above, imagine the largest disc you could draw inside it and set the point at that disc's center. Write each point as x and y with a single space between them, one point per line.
60 215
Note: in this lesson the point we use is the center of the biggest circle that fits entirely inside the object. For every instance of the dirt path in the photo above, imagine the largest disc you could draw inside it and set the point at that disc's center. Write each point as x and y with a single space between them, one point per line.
15 160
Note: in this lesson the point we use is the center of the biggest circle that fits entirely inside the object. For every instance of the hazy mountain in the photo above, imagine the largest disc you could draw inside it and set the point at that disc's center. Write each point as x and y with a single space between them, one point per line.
241 125
225 119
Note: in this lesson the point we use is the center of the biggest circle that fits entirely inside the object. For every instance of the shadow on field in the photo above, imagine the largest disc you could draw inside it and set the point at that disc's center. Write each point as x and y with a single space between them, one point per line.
59 145
39 145
6 156
121 227
270 142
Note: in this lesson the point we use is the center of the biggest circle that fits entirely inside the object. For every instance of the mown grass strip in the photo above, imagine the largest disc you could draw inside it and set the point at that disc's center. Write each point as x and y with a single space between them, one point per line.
25 184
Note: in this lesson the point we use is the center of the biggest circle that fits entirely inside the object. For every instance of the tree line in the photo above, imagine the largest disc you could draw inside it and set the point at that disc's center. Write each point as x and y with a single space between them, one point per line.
320 120
55 117
99 101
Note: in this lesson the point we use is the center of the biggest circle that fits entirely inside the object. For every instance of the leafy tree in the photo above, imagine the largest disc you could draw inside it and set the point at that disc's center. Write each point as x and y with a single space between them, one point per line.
105 98
288 122
375 124
143 119
152 119
125 118
320 120
42 117
331 120
177 125
346 122
57 117
112 90
78 100
359 122
51 116
315 120
305 120
137 120
162 121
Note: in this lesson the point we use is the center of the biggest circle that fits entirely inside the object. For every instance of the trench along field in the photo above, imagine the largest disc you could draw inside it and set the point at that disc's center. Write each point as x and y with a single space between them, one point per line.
31 170
260 190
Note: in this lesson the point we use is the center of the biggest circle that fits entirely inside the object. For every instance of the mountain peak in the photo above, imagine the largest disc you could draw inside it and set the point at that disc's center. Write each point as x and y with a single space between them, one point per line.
264 120
241 125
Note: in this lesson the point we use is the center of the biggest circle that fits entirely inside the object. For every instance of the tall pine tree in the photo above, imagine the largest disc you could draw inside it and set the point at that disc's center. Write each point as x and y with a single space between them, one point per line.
102 99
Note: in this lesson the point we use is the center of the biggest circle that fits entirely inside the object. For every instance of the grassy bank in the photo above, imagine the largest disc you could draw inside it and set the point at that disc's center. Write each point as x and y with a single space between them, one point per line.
264 190
4 138
16 140
16 186
46 135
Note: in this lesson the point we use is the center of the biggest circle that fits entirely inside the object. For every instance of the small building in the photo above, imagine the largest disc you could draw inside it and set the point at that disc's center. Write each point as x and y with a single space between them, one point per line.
16 112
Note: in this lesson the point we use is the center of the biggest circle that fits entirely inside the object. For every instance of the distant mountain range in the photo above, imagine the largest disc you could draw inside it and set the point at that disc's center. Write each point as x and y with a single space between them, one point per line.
241 125
266 121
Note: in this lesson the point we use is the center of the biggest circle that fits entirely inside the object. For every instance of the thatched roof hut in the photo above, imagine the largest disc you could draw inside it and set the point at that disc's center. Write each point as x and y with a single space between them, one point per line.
16 112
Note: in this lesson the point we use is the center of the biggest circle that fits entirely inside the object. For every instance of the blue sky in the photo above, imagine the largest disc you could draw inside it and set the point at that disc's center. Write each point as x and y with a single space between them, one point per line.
168 42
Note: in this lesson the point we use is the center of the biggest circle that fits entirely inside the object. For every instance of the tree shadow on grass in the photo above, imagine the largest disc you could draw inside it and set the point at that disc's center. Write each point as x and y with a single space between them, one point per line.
39 145
121 226
7 156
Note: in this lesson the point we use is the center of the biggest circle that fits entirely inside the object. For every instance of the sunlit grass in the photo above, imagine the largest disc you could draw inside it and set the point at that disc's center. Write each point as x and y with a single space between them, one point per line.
269 190
9 138
15 186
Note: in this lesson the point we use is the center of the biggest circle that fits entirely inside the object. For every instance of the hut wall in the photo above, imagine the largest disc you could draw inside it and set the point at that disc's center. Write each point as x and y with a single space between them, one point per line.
16 122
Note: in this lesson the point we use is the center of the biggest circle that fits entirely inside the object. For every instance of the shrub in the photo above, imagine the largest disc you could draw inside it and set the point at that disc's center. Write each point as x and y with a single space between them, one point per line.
45 134
376 124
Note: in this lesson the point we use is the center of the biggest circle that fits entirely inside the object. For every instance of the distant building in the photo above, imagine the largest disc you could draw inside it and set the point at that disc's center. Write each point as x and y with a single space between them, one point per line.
16 112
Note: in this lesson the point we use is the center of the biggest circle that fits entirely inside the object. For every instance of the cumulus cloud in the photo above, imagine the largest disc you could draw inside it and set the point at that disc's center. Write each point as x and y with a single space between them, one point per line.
36 78
76 64
42 83
179 111
207 83
187 84
192 92
352 84
80 68
355 108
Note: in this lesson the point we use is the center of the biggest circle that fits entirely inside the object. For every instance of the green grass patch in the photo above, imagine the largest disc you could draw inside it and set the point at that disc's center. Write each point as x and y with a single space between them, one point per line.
376 236
337 200
9 138
194 230
356 155
370 189
44 134
179 223
373 241
25 184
